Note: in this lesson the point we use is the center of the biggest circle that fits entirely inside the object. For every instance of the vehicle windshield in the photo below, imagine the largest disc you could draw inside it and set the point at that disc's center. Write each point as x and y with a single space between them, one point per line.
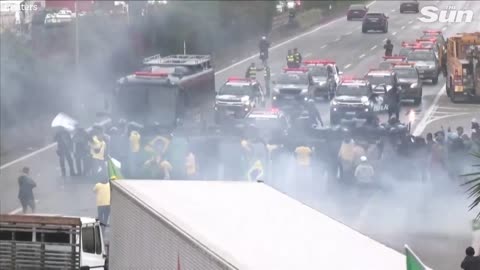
318 71
357 7
236 90
292 78
265 123
380 79
421 56
385 65
406 73
146 103
404 51
352 90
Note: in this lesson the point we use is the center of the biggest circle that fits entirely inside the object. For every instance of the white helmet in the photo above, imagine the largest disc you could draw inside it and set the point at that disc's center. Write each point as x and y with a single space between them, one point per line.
363 158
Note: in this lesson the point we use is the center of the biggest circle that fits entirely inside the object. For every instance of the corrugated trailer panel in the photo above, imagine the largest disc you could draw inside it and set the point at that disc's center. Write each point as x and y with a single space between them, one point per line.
140 239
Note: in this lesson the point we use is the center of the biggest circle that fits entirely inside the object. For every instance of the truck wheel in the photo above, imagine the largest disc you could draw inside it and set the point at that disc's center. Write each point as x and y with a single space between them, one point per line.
385 30
401 10
349 19
453 99
435 80
364 30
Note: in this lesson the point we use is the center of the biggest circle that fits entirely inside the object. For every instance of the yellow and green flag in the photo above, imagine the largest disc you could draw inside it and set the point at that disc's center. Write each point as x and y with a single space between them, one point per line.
113 167
413 262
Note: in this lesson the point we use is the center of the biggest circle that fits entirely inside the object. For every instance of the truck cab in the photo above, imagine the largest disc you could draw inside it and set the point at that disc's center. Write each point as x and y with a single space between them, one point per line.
51 242
463 67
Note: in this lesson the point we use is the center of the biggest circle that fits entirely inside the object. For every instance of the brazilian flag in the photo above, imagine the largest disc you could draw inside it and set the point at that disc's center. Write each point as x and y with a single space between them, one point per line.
113 168
413 262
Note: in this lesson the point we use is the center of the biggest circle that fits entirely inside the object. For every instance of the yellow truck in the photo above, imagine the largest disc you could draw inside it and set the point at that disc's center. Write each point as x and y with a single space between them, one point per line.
463 67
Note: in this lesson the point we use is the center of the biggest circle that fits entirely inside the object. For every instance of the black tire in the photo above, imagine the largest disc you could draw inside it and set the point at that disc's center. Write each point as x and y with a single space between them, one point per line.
364 30
385 29
435 80
349 19
453 99
401 10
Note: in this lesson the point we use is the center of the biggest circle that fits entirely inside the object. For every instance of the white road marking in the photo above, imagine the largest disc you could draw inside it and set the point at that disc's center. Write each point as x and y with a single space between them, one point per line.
444 28
347 66
403 27
349 33
410 22
338 39
424 122
394 33
6 165
385 39
308 54
448 115
323 46
361 56
393 10
373 48
18 210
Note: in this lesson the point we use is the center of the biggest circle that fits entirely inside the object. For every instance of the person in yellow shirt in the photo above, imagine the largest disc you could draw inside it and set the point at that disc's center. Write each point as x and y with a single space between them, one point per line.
97 151
346 157
303 169
102 191
303 154
191 166
134 156
256 172
159 168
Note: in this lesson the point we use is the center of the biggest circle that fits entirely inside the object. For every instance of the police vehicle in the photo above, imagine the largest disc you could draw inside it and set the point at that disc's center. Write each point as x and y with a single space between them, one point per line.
267 124
409 82
375 21
325 77
165 91
410 6
237 97
382 81
426 62
389 61
407 47
292 86
352 100
429 43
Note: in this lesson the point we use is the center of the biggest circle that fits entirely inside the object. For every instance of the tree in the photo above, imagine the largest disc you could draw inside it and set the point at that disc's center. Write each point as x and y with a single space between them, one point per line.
474 185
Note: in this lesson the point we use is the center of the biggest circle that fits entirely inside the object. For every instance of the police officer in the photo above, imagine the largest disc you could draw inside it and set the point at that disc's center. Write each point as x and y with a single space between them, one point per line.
251 72
297 57
263 46
388 48
64 150
393 101
290 59
313 113
267 76
81 155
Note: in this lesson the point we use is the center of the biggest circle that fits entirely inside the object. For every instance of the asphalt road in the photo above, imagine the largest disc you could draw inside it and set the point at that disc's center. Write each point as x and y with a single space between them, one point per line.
434 226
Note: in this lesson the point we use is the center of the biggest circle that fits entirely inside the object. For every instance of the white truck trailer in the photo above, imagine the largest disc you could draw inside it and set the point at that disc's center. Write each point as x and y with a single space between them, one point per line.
209 225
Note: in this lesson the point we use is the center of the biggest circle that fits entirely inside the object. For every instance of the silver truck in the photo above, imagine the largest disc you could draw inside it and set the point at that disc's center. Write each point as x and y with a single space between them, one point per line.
213 225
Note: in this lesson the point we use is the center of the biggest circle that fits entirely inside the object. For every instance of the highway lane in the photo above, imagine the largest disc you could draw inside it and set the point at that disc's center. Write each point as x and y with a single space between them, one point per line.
76 198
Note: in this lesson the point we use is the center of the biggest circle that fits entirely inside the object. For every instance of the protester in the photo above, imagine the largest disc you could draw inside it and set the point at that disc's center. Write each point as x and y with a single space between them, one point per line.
102 191
25 192
64 150
83 160
470 262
